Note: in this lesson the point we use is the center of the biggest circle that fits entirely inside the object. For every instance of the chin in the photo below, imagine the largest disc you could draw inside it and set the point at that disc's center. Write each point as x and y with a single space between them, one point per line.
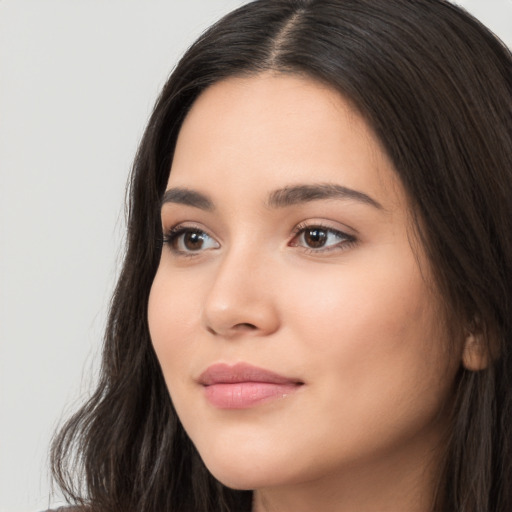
245 472
244 482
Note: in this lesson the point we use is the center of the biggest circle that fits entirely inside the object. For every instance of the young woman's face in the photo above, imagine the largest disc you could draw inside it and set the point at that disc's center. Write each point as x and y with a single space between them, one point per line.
293 317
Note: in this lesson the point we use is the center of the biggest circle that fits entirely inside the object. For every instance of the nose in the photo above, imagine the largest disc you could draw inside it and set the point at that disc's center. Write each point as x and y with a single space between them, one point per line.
241 300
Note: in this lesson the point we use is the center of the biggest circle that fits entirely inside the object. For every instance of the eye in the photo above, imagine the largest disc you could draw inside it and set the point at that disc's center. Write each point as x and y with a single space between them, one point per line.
320 238
189 240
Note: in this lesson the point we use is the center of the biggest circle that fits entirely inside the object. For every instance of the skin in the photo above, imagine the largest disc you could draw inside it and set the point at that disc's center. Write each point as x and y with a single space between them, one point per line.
356 321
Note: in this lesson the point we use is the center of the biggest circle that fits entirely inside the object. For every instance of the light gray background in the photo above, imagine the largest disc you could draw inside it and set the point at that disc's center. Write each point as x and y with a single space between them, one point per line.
78 79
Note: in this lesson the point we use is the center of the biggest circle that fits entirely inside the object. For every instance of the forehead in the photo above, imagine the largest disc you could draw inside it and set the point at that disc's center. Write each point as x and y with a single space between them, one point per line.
272 130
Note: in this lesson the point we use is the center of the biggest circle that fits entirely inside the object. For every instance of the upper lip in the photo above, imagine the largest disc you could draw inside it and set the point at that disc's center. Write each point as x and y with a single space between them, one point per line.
222 373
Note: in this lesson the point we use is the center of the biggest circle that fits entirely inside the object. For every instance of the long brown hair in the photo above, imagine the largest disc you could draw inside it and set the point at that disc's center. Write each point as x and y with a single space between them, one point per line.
436 87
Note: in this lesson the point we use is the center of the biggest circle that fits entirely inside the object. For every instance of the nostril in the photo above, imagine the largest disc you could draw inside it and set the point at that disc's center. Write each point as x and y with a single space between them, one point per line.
245 327
237 328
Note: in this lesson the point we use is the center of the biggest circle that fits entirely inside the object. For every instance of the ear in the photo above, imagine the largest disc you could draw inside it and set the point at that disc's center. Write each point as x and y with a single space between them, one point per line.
475 353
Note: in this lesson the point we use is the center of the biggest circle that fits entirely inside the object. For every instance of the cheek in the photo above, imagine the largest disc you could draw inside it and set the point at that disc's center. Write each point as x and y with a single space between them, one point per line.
360 304
173 316
373 328
376 355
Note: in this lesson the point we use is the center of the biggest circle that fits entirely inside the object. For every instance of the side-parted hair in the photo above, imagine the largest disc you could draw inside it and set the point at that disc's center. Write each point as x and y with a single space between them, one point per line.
436 87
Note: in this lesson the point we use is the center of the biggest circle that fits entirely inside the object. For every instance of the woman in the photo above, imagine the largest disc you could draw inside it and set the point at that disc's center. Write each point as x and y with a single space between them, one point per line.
315 307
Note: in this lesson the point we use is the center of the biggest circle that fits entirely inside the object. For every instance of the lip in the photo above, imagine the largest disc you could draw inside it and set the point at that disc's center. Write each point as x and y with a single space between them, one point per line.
242 385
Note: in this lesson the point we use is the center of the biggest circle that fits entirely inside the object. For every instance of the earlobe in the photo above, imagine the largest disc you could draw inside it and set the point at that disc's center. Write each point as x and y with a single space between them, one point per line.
475 353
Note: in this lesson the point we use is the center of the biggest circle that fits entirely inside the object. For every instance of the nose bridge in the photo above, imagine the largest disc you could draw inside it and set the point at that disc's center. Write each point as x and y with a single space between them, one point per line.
241 293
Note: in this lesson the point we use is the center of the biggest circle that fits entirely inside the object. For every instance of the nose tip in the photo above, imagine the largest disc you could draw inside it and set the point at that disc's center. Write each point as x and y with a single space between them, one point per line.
239 303
229 321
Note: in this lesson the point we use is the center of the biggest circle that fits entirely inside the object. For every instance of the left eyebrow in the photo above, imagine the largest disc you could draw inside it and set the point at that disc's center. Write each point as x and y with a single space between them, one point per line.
297 194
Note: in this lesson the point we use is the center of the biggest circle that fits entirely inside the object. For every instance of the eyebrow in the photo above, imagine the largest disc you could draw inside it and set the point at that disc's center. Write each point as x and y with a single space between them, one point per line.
188 197
280 198
296 194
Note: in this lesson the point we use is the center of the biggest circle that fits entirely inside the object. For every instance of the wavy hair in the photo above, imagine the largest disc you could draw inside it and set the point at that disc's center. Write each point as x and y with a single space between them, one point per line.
436 87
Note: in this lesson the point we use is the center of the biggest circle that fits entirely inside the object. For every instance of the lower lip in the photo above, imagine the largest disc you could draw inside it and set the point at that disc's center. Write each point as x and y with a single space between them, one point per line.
242 395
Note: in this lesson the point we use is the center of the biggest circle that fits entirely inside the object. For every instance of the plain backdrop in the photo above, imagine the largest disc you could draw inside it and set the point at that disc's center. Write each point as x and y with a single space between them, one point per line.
78 79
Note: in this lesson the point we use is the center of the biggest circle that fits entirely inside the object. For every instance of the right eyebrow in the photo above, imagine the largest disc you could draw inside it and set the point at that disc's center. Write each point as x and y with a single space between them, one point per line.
179 195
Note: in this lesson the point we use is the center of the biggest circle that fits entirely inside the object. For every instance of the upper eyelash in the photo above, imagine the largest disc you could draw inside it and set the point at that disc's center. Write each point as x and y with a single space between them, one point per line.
303 226
172 233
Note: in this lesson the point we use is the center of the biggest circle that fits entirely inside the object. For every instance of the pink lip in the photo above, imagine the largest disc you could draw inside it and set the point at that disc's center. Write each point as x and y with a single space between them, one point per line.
242 385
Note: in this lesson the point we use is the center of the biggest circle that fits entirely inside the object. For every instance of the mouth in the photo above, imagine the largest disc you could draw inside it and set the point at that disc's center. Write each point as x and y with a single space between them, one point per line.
242 386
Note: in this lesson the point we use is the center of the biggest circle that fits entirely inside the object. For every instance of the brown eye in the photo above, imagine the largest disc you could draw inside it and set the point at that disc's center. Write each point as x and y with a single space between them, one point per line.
315 237
321 239
193 240
183 240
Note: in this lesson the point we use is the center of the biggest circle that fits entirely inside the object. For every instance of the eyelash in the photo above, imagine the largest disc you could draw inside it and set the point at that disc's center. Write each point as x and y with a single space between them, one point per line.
172 237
